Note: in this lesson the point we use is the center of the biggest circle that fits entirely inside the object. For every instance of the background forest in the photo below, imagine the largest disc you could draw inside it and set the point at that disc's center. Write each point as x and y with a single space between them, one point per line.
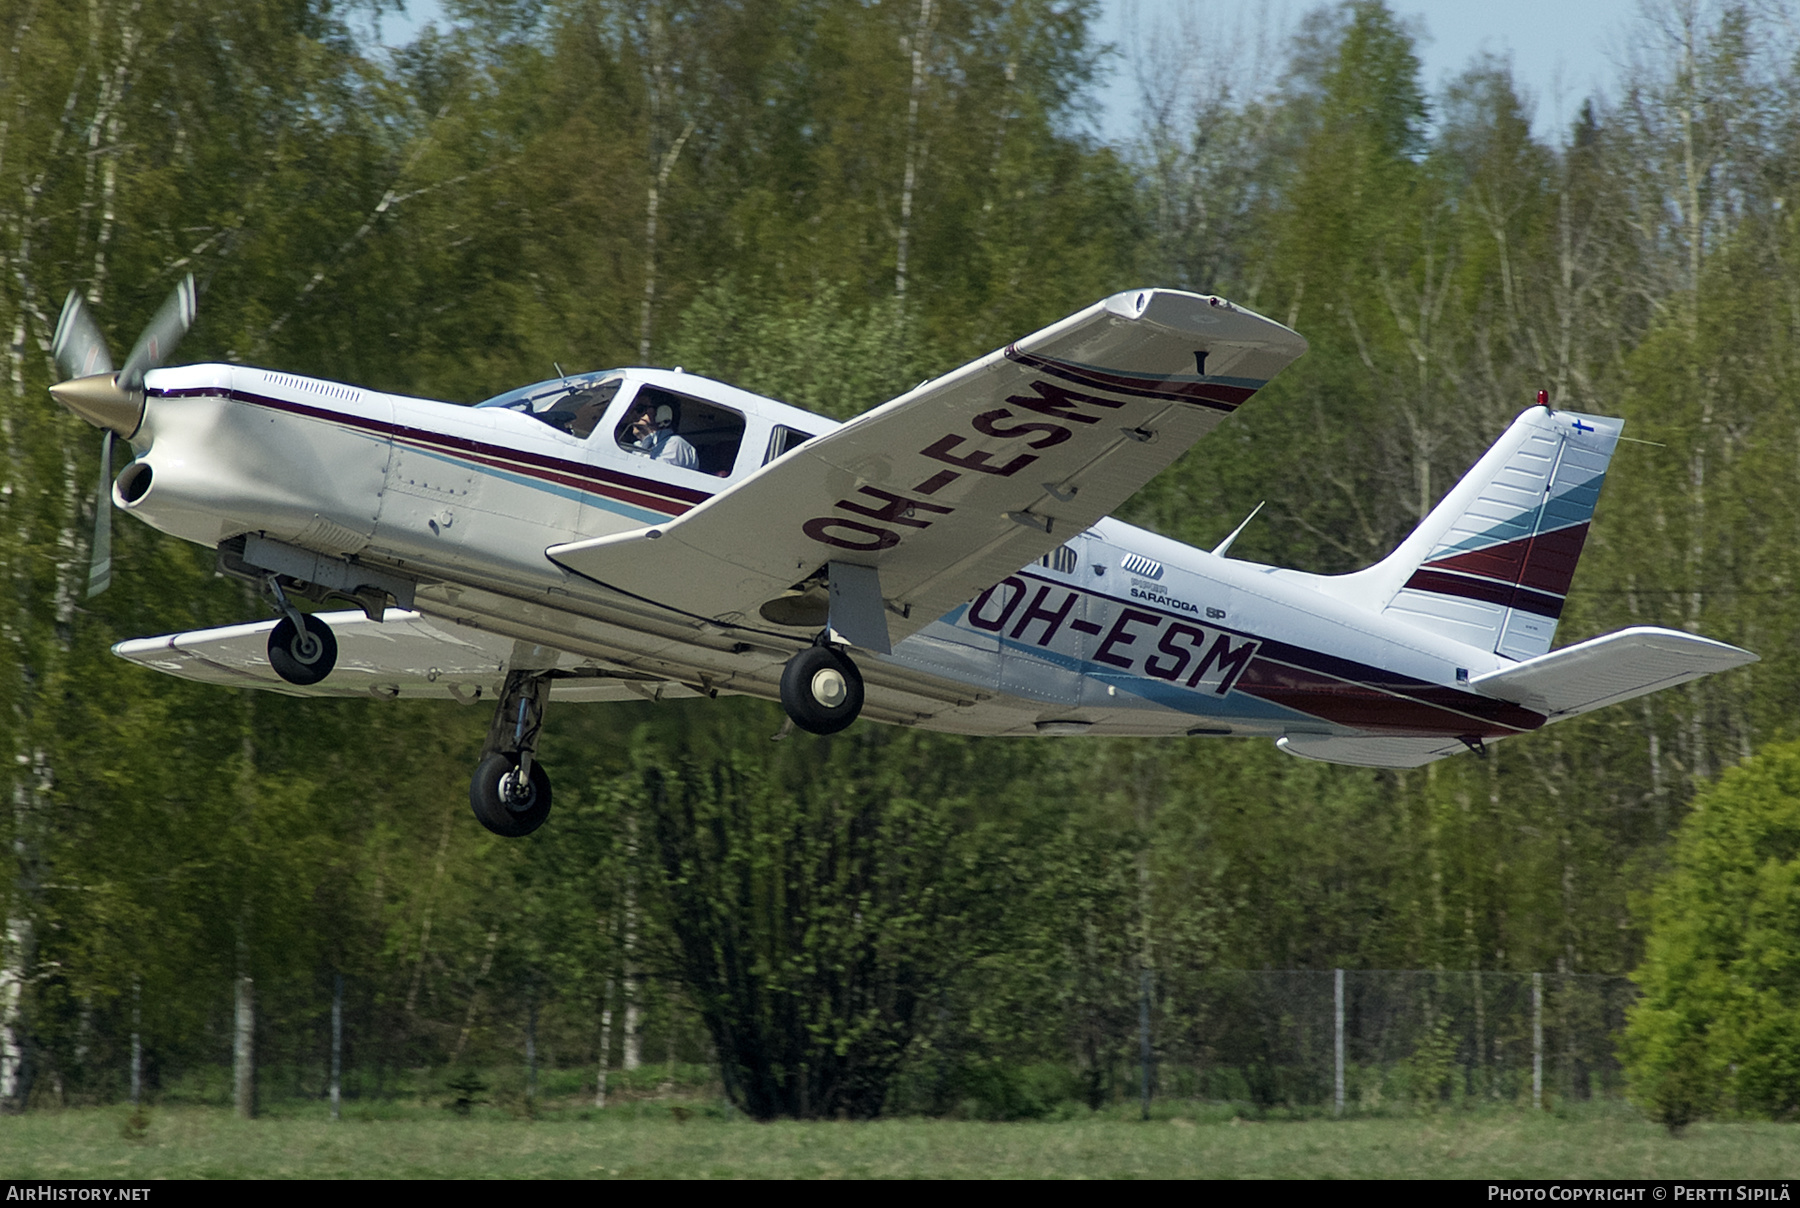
827 202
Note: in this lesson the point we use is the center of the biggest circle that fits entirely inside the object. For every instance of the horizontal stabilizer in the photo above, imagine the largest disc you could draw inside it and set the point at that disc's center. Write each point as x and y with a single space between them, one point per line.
1609 669
404 656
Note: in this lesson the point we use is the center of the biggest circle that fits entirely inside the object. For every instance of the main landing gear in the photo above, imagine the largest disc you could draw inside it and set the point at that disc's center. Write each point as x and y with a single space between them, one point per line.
302 648
510 792
821 689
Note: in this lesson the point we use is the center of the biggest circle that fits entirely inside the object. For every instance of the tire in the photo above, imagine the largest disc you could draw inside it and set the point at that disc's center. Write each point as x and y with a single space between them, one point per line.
507 818
302 660
809 672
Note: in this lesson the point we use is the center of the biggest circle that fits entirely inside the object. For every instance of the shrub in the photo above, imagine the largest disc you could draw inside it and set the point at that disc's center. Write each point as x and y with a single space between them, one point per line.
1718 1026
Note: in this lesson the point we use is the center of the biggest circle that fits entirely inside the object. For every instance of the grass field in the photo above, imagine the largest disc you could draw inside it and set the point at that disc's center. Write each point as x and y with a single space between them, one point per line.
649 1141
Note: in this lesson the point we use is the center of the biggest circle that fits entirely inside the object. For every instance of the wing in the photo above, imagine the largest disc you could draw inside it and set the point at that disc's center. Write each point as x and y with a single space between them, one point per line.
951 487
404 656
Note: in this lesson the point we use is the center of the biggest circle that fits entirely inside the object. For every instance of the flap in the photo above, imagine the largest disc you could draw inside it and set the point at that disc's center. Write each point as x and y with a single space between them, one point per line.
958 483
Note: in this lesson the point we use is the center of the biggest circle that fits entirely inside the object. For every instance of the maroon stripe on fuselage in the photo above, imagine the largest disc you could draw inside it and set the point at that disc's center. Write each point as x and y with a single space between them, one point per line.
1352 693
1506 595
1367 707
624 495
1545 562
643 492
1216 395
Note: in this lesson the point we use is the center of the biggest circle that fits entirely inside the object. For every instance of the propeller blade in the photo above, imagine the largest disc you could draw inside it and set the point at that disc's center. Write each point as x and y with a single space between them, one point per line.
160 337
100 569
78 346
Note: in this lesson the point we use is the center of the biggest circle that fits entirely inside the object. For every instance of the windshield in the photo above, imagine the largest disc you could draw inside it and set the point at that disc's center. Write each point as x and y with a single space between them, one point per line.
571 404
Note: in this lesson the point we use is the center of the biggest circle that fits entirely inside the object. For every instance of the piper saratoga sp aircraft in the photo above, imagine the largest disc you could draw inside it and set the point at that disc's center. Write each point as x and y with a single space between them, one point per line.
944 560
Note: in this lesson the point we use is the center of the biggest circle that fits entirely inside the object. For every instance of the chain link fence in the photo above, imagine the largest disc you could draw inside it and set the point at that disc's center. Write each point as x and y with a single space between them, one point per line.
1351 1041
1310 1042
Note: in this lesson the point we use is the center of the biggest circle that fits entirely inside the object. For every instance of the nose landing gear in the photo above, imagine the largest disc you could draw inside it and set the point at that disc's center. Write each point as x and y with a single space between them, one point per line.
821 689
510 791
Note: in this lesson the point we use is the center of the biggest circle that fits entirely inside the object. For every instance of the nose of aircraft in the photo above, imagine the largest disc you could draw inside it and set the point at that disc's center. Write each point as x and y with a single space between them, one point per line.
102 402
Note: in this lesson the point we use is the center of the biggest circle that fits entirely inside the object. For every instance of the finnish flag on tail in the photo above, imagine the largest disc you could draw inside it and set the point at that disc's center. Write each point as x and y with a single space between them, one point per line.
1492 564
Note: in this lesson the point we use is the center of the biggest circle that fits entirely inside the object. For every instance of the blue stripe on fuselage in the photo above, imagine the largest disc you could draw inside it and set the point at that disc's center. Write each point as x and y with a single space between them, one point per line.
641 515
1165 694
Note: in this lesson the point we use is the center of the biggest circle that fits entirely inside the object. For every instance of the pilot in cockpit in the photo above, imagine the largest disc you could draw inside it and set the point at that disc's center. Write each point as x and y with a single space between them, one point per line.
650 432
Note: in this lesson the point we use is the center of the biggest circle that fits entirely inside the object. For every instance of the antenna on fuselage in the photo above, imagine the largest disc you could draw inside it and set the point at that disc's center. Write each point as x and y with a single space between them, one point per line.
1219 549
559 372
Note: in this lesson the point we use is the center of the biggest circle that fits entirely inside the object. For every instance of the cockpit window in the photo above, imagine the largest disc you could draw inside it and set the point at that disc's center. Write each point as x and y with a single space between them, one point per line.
569 404
681 431
785 440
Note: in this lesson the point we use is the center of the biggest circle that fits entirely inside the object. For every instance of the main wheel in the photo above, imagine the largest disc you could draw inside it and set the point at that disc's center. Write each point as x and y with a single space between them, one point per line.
302 656
821 690
499 805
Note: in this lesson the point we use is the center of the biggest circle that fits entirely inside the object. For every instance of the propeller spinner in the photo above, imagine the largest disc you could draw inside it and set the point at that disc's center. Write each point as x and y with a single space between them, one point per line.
113 401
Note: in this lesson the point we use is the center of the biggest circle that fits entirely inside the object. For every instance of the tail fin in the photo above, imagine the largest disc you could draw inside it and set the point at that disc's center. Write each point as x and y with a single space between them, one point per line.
1492 563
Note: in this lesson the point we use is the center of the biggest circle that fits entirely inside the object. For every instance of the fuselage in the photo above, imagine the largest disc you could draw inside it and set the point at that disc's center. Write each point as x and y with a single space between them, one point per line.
1118 631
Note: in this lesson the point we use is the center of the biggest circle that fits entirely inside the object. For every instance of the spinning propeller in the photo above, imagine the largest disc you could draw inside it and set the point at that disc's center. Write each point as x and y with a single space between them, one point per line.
113 401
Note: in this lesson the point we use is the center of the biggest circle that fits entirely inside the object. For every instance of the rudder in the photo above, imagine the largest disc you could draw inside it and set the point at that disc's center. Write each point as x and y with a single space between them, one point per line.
1492 564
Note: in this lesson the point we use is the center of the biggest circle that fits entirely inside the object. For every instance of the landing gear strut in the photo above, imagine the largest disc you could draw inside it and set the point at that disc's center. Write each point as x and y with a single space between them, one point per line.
302 648
510 792
821 689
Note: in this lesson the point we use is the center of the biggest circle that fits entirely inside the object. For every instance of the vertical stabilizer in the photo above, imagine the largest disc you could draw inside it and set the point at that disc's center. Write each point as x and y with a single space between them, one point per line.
1492 563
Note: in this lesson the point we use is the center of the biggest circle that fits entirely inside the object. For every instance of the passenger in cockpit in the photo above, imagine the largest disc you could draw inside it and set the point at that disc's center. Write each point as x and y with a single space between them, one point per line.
650 432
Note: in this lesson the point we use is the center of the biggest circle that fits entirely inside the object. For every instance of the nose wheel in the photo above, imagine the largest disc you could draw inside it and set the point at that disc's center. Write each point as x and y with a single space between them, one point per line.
822 690
510 791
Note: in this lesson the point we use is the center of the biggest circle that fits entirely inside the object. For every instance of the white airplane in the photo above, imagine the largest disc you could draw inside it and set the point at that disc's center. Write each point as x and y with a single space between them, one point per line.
944 560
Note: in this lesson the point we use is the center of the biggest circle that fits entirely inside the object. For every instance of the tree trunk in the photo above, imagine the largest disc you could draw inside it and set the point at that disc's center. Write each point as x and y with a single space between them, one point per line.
916 45
662 163
632 1055
16 1066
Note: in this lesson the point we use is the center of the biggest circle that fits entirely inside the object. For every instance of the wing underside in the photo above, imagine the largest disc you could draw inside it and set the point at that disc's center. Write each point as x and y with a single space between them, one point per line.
404 656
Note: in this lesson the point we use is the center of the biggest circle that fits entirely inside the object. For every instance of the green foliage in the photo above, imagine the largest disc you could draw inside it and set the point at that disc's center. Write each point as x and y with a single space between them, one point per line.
467 1091
1719 1026
818 900
820 353
993 1089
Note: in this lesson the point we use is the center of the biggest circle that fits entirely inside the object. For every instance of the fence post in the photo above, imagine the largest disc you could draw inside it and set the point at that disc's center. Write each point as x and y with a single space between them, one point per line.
1339 1031
137 1041
1537 1041
337 1039
1144 1037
